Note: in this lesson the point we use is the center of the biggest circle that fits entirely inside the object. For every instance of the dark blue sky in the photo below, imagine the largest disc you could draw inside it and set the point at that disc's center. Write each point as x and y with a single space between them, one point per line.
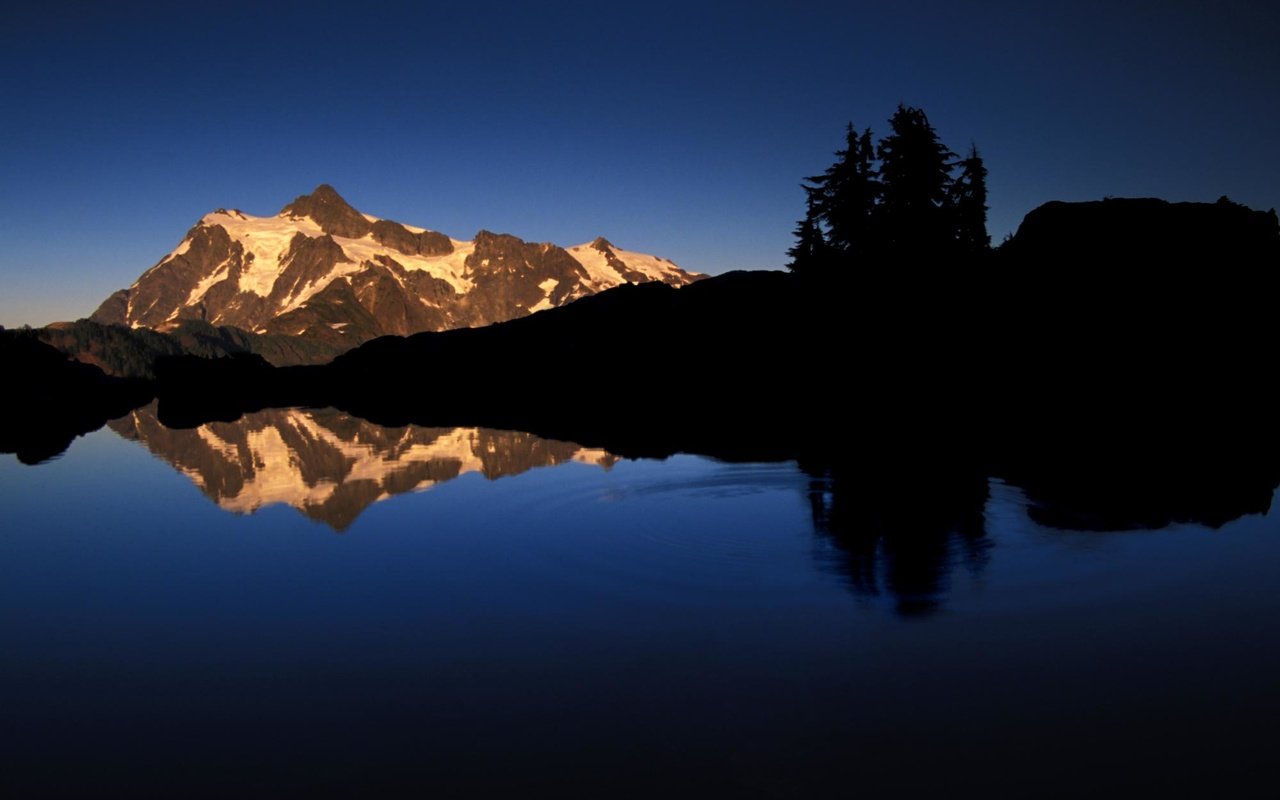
679 129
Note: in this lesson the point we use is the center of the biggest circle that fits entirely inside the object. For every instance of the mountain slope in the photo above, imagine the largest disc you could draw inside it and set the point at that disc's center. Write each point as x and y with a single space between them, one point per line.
323 270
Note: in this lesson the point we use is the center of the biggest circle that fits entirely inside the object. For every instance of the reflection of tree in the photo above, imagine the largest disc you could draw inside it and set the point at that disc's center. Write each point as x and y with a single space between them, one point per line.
901 530
901 533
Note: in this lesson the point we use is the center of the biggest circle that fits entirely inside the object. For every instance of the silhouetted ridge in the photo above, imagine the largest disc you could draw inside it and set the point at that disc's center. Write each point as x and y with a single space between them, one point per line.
127 352
1139 233
48 399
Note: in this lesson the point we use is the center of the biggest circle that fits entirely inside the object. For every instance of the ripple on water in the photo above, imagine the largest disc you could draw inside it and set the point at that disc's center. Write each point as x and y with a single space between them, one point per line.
692 526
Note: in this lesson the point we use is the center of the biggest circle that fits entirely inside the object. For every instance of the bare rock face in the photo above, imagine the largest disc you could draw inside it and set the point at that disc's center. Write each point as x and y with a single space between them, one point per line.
401 239
114 310
513 277
327 208
321 269
306 262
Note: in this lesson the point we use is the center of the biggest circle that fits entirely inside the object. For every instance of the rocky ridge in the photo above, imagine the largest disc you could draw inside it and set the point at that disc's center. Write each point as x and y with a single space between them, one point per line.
320 269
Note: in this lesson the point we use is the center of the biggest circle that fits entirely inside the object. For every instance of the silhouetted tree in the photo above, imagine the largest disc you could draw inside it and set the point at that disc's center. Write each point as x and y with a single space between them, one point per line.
969 206
838 224
896 201
850 191
915 214
811 251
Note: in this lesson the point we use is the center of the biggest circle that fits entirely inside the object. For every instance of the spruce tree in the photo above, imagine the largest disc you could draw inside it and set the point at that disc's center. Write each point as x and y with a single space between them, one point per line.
838 228
851 189
914 215
969 206
810 253
893 202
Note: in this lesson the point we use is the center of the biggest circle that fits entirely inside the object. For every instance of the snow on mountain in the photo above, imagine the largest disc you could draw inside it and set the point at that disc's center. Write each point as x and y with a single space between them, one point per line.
608 266
320 268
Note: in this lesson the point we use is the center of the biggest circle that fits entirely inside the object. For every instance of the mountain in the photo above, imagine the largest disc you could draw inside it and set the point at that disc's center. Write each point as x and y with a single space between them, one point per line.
322 270
331 466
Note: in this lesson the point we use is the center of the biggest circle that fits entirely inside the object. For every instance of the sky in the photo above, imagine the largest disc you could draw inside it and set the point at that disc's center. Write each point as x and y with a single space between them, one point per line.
680 129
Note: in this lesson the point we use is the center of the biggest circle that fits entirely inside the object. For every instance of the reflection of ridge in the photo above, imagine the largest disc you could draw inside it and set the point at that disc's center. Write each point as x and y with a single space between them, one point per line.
332 466
902 531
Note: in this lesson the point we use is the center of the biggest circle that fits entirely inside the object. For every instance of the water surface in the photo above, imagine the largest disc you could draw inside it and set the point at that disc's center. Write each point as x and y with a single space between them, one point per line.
301 601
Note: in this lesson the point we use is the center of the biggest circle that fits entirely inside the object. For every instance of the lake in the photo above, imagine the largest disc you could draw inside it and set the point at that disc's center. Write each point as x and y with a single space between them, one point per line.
303 602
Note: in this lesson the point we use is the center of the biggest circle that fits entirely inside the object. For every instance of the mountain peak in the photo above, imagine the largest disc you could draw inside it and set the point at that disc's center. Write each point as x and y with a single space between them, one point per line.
322 270
334 215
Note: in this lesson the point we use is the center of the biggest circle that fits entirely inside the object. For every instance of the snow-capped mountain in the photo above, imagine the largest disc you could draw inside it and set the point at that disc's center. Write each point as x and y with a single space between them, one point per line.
321 269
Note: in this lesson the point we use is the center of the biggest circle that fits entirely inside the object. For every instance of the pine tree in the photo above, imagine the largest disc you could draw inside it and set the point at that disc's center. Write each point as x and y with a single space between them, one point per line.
851 188
893 202
810 254
969 206
838 228
914 214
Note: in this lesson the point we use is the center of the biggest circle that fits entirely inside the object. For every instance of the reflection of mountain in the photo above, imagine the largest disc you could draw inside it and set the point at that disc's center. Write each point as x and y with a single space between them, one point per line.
332 466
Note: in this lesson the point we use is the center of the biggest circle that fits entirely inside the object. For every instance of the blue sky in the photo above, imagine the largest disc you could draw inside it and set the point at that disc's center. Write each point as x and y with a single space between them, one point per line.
678 129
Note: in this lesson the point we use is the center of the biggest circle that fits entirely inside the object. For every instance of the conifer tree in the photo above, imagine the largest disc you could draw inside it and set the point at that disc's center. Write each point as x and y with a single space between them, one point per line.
809 256
894 202
969 206
913 217
850 190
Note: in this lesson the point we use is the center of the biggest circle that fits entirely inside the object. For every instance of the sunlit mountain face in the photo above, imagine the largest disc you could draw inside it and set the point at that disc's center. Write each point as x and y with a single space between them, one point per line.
331 466
322 270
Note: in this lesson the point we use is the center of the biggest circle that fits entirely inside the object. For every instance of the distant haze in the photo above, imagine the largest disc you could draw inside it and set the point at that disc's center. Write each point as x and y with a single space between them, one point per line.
680 129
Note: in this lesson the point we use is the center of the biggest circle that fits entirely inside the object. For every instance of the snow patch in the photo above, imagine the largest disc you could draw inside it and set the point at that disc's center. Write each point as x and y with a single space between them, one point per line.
547 287
651 266
449 268
604 276
202 288
600 275
267 238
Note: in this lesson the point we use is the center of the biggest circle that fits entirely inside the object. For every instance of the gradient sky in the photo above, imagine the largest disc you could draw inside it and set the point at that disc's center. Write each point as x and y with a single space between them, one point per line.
681 130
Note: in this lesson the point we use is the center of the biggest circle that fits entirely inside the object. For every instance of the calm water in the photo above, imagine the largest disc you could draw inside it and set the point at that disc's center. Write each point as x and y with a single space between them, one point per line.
302 602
